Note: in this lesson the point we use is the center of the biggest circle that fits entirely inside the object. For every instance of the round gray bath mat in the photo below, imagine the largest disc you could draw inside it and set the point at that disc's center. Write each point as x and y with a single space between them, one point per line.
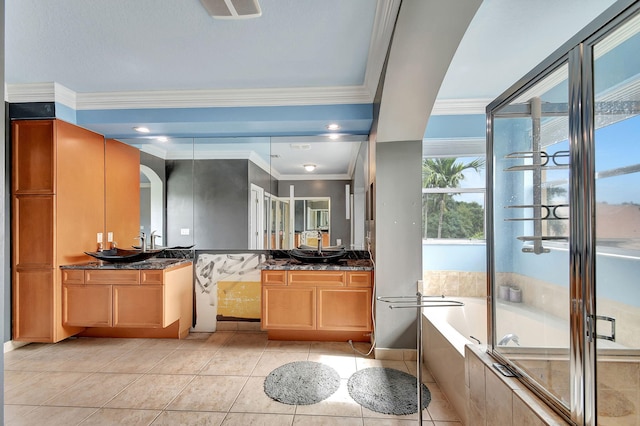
302 383
387 391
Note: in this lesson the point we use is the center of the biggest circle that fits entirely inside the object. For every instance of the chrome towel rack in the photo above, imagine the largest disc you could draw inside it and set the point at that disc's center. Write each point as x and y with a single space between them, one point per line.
417 302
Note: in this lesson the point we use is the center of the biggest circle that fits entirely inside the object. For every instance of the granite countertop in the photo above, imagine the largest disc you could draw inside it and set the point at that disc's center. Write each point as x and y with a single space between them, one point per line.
294 265
154 263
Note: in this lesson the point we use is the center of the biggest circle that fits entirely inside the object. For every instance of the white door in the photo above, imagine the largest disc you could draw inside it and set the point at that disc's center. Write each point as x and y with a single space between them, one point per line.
256 221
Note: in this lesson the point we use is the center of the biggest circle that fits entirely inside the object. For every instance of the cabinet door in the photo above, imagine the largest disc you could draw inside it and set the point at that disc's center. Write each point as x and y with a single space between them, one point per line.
288 308
138 306
344 309
33 305
122 186
86 305
34 157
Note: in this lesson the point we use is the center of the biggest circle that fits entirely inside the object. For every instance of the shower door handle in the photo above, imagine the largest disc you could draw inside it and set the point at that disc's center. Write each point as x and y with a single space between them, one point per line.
591 327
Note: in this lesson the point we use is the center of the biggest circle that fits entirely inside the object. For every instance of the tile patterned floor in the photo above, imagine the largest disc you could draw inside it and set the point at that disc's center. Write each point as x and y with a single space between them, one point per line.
206 379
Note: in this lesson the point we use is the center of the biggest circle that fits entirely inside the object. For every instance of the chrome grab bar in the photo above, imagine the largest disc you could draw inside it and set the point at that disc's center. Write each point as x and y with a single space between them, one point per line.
418 301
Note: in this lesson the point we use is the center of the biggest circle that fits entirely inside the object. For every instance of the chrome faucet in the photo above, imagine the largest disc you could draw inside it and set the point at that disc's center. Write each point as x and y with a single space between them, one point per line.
153 236
143 242
511 337
319 242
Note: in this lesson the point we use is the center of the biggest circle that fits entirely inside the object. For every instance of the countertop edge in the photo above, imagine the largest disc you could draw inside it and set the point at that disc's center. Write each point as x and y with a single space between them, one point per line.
156 263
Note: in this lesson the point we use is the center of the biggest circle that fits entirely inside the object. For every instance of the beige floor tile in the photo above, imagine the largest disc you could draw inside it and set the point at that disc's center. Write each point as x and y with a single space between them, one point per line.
231 363
183 362
366 413
164 344
269 361
13 414
247 341
286 346
335 348
42 387
244 419
447 423
363 363
190 418
209 393
15 378
253 399
151 391
412 367
136 361
339 404
94 391
345 365
442 411
301 420
53 416
117 416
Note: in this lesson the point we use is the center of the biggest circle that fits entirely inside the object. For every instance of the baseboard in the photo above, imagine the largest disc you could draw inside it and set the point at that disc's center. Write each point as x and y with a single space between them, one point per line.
396 354
12 344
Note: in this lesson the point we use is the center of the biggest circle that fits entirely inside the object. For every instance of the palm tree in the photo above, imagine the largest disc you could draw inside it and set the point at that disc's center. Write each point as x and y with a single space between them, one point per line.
445 173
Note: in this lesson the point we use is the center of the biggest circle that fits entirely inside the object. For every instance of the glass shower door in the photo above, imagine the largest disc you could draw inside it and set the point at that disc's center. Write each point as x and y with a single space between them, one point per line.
530 213
616 72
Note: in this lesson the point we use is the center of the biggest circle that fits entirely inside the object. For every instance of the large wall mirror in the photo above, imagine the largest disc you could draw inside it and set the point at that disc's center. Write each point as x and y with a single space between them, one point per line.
253 192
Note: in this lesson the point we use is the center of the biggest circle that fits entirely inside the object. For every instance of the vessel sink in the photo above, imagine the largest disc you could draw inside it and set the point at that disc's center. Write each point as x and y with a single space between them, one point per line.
119 255
312 256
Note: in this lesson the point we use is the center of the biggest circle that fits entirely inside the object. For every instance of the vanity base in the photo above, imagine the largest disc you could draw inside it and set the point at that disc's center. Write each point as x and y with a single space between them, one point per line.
172 331
319 335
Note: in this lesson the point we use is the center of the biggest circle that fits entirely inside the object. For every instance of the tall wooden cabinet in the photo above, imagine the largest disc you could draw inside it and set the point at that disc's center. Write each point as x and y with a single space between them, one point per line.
58 206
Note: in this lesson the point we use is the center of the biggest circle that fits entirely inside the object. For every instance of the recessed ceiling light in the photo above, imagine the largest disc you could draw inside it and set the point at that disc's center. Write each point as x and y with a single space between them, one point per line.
334 136
333 126
309 167
162 139
141 129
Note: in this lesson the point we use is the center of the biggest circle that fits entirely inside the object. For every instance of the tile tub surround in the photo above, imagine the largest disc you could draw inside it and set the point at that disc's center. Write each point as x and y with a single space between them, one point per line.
454 283
208 378
493 399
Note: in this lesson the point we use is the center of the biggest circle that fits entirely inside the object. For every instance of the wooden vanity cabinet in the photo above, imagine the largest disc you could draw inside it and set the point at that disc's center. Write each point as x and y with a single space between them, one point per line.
59 203
316 305
129 299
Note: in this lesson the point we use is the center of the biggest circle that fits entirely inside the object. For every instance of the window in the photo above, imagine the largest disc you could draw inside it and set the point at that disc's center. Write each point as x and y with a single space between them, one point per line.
453 198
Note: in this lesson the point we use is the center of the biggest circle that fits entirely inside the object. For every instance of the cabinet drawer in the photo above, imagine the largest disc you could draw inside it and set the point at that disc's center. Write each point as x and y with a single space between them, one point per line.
316 278
73 276
152 276
359 279
129 276
274 277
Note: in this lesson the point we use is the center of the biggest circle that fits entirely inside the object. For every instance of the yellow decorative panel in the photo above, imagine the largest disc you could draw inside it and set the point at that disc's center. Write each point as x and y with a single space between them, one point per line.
239 299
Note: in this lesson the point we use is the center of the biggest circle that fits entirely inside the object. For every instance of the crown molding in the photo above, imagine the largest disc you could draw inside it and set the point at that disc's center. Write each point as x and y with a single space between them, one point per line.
224 98
54 92
460 106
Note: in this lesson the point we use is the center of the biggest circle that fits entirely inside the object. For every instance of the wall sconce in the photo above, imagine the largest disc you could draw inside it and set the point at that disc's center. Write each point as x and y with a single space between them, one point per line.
309 167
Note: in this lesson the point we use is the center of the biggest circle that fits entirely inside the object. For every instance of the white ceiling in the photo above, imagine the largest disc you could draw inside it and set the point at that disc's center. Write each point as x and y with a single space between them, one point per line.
118 58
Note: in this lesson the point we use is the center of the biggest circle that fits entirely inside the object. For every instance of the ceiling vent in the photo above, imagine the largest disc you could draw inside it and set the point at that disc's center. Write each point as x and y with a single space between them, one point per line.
232 9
